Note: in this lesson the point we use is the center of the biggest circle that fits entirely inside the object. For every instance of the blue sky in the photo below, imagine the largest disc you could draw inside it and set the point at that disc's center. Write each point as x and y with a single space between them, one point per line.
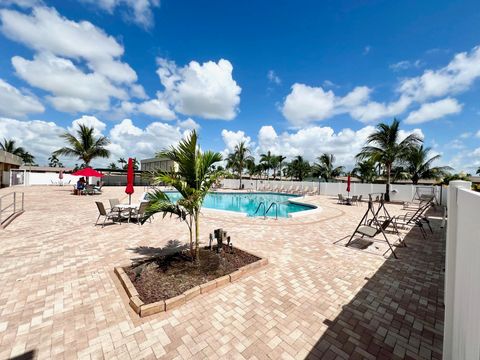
298 78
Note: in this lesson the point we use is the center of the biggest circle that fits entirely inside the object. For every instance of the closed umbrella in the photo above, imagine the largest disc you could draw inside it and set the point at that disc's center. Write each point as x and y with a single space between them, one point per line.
348 185
130 176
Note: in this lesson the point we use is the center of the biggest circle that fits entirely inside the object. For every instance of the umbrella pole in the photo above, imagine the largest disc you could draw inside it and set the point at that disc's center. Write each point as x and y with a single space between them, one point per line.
129 199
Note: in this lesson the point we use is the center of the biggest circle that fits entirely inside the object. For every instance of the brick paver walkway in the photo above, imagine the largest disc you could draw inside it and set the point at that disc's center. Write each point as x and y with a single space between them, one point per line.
59 298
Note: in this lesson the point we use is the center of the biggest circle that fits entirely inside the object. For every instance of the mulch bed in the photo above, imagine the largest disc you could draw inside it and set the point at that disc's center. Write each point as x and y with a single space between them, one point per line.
168 276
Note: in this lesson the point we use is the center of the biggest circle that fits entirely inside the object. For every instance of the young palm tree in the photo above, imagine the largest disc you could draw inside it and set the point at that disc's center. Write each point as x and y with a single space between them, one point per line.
237 160
112 166
384 147
419 166
365 171
267 160
10 147
84 146
123 163
251 167
478 171
281 164
193 179
325 168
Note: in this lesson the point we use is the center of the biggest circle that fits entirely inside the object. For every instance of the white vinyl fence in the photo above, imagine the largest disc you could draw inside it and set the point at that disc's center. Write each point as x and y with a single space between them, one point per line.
403 192
462 274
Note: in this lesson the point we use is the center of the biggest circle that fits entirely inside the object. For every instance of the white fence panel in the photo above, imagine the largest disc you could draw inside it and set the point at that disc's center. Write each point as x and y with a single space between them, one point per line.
462 273
32 178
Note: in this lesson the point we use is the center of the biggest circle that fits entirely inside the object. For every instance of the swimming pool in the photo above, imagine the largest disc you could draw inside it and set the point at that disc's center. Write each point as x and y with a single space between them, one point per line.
249 202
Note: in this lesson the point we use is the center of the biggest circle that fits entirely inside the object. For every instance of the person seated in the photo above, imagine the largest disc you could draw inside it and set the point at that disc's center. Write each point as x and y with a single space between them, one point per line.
81 185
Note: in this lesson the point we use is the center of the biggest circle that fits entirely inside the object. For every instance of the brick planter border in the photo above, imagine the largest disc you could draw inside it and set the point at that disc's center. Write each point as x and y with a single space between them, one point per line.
142 309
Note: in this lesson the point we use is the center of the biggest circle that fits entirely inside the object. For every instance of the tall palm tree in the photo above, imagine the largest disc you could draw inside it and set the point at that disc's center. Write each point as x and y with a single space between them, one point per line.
193 179
419 166
267 160
10 147
84 145
123 163
299 168
365 171
281 164
53 161
238 159
384 146
112 166
251 167
325 167
28 159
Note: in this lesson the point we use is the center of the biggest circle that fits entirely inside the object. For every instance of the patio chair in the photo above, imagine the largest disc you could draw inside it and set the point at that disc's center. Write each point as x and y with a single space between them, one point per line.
107 215
354 200
341 200
139 213
417 218
359 201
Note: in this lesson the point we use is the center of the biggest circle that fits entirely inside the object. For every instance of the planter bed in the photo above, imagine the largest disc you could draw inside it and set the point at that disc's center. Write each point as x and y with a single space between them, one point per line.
163 283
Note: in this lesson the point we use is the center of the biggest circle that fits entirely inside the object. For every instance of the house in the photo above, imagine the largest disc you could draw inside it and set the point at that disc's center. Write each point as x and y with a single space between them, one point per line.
158 163
8 162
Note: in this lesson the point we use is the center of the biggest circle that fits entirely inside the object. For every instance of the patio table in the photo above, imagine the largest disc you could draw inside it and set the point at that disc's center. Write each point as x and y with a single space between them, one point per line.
128 207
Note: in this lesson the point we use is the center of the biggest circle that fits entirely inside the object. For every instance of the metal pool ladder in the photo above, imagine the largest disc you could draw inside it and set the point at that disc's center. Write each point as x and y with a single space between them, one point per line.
273 204
258 208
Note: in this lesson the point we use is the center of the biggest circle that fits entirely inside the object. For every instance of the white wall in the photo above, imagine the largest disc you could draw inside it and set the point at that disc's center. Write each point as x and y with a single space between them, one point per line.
399 192
462 274
47 178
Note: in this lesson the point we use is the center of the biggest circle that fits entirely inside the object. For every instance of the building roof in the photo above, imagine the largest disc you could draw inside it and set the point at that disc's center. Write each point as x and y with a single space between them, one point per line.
45 168
9 158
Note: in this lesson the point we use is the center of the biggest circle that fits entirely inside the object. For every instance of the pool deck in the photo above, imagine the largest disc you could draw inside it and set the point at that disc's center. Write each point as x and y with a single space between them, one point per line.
316 299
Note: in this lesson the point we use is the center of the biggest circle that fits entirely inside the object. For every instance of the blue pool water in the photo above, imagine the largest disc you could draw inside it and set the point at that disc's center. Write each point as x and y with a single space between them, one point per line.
248 202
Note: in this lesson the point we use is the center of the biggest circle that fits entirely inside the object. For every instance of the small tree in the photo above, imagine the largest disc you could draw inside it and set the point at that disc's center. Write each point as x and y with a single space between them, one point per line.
53 161
365 171
237 160
193 179
325 167
419 166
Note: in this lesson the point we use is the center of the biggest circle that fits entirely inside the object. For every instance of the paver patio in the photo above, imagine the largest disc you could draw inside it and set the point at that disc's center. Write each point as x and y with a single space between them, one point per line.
59 297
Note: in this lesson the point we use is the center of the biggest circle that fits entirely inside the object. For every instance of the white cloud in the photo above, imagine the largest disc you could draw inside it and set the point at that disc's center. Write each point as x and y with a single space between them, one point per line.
434 110
273 77
157 108
138 11
406 64
41 138
72 89
456 77
189 124
206 90
366 49
45 30
21 3
233 138
15 103
306 104
478 134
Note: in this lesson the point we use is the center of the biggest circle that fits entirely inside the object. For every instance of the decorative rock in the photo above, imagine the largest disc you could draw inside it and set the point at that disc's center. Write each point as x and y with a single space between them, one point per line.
175 302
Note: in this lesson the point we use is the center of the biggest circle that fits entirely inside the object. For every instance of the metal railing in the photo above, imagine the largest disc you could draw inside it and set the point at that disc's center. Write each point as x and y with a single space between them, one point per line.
258 208
14 204
273 204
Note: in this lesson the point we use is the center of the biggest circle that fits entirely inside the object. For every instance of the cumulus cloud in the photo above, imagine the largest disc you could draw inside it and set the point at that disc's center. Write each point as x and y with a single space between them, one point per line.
76 61
72 90
15 103
41 138
138 11
207 90
158 108
434 110
306 104
233 138
21 3
457 76
308 142
406 64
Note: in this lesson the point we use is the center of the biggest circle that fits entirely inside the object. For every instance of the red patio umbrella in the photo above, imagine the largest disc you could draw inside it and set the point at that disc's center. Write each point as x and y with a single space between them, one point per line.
130 176
87 172
348 185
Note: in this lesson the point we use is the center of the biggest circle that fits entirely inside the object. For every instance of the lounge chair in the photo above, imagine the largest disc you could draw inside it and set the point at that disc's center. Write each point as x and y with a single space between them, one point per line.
417 218
341 200
113 215
354 200
359 201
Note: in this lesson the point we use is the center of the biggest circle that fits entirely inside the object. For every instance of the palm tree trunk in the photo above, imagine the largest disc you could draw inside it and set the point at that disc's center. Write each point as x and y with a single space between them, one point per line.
192 250
197 237
387 192
240 177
